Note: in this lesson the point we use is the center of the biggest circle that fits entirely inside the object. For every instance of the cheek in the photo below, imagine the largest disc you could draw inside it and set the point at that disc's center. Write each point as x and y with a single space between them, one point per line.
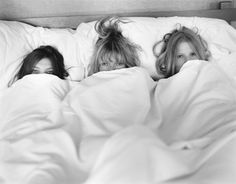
180 63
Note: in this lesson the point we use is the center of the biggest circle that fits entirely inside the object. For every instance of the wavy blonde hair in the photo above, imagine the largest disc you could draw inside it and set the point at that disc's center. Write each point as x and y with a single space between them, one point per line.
166 59
112 44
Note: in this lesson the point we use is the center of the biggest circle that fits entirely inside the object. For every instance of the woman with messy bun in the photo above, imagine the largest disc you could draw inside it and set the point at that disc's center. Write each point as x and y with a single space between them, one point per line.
112 50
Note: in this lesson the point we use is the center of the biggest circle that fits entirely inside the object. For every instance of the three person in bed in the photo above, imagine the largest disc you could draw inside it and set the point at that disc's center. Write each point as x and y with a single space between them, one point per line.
44 59
178 47
113 51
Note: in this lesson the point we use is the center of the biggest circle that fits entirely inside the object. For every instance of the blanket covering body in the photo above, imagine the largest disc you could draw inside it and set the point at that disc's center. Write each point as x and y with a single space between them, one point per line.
122 127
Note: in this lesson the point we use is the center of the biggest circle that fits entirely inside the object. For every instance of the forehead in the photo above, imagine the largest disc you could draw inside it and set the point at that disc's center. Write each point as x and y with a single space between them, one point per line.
44 63
111 57
184 45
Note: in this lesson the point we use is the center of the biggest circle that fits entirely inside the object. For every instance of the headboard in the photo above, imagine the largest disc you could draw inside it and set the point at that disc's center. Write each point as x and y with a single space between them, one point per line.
73 21
70 13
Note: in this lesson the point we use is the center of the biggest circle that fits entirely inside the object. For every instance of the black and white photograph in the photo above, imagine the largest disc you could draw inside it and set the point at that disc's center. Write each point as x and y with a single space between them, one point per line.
117 92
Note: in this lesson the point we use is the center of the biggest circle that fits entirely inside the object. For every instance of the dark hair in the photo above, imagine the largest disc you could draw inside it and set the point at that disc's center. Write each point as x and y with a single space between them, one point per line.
112 44
36 55
166 59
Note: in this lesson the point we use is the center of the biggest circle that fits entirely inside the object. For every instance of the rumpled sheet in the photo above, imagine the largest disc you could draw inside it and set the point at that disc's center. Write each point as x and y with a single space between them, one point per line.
121 127
28 101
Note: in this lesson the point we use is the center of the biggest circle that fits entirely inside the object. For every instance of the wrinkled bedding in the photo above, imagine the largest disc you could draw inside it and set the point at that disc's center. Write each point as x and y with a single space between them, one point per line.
30 100
122 127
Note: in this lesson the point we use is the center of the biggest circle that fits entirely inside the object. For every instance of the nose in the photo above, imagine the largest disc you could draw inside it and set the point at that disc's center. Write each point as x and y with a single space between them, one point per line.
112 66
119 67
187 59
191 58
41 71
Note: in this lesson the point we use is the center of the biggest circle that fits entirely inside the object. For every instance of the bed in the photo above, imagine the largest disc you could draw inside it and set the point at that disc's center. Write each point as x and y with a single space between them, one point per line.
118 127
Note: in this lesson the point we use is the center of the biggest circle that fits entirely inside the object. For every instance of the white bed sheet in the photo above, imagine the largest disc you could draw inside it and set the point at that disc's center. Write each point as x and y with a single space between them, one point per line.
122 127
29 101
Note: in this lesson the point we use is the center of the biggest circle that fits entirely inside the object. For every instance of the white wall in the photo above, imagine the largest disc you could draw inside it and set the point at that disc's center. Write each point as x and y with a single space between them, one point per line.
42 8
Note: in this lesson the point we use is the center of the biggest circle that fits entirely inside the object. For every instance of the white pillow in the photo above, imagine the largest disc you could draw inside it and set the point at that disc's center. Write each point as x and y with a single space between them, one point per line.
220 36
18 39
146 31
140 30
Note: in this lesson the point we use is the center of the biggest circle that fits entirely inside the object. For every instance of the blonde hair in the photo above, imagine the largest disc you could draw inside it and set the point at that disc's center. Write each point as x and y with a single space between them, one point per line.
166 59
112 44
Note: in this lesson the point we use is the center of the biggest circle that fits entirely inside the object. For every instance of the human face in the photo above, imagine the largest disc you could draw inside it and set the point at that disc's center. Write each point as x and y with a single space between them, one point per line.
112 64
43 66
185 52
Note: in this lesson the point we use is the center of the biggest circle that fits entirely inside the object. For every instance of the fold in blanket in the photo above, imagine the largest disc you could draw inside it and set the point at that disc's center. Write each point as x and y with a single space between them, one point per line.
123 127
26 104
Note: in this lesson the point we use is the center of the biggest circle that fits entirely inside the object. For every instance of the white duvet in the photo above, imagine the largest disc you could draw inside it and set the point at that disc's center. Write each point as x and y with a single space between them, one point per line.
121 127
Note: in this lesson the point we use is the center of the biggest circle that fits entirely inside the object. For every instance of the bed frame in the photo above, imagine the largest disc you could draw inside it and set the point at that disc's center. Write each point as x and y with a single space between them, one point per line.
72 21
